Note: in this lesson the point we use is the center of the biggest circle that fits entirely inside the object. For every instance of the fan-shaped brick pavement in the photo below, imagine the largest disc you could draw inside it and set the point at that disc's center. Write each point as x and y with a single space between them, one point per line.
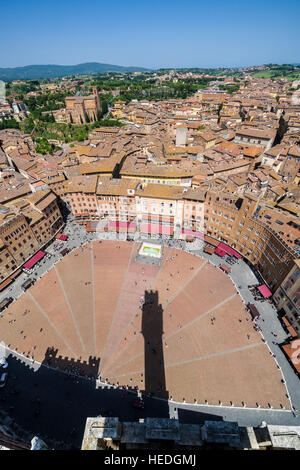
193 342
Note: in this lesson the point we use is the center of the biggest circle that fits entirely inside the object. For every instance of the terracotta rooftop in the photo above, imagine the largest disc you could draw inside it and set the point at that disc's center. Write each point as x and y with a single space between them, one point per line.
255 132
159 171
81 184
116 187
161 191
101 166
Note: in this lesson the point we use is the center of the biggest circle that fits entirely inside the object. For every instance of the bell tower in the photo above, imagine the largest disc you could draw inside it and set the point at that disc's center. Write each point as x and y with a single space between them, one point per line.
97 100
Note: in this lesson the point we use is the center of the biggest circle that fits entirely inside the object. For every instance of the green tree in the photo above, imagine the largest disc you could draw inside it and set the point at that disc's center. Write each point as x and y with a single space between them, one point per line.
28 125
9 124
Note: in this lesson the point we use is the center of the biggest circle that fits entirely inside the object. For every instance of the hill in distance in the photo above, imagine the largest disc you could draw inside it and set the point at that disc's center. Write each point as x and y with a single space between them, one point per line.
31 72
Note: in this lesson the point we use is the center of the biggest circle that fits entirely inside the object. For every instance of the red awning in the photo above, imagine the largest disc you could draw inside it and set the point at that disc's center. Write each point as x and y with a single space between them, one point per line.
32 261
220 252
265 291
63 237
230 251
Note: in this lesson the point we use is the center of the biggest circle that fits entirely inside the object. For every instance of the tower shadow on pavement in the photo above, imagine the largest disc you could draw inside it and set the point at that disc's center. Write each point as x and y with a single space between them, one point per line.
154 366
53 402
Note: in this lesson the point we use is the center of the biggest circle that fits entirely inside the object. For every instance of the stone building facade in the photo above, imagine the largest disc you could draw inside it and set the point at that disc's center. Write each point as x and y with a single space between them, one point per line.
226 217
23 234
287 296
80 109
83 109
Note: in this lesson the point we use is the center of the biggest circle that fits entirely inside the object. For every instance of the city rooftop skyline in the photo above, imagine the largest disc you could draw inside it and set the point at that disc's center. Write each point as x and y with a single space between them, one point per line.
172 34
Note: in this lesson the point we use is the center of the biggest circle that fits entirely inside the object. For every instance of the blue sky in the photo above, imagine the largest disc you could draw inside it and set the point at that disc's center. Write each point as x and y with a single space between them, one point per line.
149 33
